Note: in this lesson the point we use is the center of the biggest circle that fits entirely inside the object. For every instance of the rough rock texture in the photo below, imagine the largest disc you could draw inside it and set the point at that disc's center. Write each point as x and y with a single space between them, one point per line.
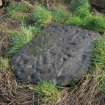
59 54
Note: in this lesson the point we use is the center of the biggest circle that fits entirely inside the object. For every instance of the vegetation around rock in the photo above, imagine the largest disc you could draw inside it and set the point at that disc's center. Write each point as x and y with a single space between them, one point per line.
23 20
47 92
41 16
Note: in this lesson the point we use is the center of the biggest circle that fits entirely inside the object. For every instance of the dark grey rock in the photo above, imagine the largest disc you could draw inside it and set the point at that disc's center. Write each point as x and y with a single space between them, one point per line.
60 54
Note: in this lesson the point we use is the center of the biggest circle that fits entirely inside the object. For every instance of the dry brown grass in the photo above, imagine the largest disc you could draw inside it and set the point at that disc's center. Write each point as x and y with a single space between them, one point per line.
7 86
85 93
4 42
11 94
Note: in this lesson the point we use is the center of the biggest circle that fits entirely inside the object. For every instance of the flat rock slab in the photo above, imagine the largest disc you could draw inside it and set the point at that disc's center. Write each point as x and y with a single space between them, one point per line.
59 54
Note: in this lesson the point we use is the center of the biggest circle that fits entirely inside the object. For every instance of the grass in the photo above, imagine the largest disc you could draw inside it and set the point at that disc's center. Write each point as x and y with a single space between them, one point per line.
74 20
4 63
82 12
98 63
41 16
20 39
18 11
67 1
101 83
76 5
98 58
83 17
60 14
95 23
47 92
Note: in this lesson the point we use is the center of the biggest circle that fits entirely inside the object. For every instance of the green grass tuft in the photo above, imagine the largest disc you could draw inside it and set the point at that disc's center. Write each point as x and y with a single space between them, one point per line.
101 81
98 63
41 16
4 64
18 11
98 58
23 37
74 20
77 5
60 15
95 23
47 92
83 17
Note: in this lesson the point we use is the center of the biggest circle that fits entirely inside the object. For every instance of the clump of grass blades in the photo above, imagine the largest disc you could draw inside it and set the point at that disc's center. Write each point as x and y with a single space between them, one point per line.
74 20
47 92
80 6
80 10
60 15
67 1
98 63
98 57
18 11
83 17
95 23
20 39
101 82
41 16
4 64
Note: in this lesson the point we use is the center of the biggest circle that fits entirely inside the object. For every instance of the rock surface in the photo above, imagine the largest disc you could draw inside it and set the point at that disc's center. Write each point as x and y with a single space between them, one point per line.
59 54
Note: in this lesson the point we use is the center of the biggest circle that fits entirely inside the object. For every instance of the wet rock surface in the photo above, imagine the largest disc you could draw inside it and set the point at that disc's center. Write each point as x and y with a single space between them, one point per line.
59 54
